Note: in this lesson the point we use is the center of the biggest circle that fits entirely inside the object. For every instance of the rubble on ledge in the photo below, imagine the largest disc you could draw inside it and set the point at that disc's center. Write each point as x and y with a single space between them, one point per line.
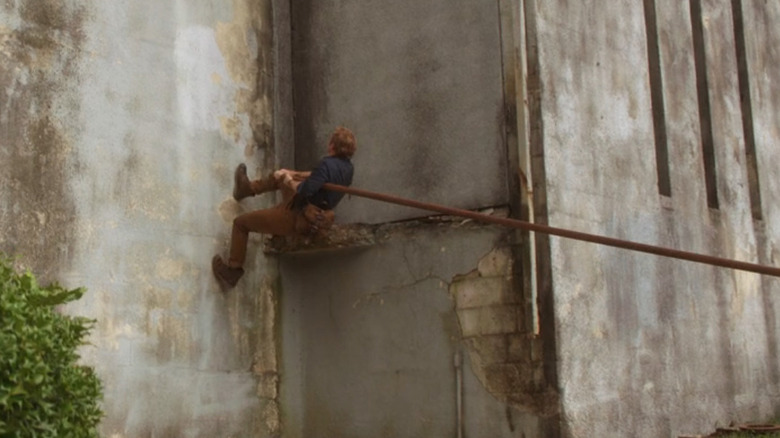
343 236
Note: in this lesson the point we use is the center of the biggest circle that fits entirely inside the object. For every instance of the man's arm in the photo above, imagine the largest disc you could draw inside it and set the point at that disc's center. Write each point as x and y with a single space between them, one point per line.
290 178
300 176
314 182
295 175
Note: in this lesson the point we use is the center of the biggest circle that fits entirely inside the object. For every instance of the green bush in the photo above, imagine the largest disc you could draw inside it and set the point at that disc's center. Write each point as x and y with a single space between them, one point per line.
43 391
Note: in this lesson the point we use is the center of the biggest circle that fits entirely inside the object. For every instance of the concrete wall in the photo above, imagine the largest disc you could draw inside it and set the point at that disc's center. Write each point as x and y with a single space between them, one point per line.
122 123
650 346
370 336
420 84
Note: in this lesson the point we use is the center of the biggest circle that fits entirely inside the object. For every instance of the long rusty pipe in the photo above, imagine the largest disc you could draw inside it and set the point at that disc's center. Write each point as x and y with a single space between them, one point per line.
576 235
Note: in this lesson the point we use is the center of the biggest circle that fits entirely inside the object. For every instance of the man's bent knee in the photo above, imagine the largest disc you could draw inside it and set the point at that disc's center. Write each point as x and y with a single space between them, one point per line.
240 223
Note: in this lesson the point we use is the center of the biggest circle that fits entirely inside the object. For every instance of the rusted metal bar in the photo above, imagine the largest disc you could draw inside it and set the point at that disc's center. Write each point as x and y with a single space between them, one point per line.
562 232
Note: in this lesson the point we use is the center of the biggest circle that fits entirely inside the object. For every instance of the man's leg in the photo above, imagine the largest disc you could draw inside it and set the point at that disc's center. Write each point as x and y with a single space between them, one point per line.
244 188
277 220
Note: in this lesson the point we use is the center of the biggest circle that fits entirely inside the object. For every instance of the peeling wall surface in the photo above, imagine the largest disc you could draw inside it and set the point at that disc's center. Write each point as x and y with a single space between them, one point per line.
121 125
370 337
649 346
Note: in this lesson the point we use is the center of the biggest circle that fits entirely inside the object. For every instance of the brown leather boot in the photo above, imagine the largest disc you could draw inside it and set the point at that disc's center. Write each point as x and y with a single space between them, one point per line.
227 276
242 188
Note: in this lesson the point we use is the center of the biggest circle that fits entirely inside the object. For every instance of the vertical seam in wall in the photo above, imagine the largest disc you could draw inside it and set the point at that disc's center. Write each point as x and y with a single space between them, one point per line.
747 109
763 244
509 119
293 92
521 240
546 301
657 99
283 98
705 116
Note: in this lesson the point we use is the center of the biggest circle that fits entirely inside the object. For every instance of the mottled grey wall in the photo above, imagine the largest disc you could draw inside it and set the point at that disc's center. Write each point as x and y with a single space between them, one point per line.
41 46
650 346
121 125
369 337
420 84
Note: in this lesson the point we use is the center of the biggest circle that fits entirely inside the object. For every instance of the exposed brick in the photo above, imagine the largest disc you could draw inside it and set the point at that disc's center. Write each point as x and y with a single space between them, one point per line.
488 320
519 349
496 264
510 378
482 291
490 349
462 277
537 350
539 381
544 401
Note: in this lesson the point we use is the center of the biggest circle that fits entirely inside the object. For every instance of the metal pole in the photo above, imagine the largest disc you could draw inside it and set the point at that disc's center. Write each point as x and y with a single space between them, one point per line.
576 235
458 362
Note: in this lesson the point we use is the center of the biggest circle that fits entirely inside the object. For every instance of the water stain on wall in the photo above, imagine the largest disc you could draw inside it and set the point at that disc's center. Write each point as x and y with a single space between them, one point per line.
39 61
246 45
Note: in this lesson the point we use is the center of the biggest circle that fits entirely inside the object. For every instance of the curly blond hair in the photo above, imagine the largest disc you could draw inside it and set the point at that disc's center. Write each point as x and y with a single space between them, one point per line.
343 141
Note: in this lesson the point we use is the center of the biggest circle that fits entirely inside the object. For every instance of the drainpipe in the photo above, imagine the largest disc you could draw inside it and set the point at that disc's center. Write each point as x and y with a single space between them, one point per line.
458 362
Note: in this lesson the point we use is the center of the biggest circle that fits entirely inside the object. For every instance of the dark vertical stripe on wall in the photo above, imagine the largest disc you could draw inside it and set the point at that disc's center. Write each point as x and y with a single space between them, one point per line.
705 117
747 109
657 99
551 425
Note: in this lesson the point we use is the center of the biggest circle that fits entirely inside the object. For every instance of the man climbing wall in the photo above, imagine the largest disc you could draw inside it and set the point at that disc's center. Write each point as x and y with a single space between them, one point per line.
306 208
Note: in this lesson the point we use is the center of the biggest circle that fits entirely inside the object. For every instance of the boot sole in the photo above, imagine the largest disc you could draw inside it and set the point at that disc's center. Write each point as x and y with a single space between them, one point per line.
224 285
237 176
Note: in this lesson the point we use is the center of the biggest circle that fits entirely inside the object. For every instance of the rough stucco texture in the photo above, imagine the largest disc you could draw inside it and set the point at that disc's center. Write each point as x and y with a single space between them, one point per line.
121 126
650 346
369 336
505 357
40 46
420 84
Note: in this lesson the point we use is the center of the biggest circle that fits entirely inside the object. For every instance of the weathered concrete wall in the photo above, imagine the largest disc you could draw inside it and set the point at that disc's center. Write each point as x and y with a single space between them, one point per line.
506 357
370 335
763 55
122 123
650 346
40 49
420 84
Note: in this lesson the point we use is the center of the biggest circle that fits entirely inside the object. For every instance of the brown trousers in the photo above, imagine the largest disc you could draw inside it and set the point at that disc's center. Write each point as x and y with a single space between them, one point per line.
278 220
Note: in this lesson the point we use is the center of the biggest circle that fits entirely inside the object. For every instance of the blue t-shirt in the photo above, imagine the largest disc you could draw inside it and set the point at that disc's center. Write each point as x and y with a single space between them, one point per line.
334 170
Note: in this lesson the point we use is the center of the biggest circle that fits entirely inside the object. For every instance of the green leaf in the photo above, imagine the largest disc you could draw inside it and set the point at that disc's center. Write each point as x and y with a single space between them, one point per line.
43 390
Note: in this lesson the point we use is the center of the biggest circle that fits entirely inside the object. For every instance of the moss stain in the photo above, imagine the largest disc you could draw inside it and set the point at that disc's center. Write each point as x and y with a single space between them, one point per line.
39 61
245 44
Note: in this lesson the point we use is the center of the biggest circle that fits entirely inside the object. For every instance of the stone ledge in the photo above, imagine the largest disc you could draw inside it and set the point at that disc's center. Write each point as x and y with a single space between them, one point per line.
340 236
343 236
